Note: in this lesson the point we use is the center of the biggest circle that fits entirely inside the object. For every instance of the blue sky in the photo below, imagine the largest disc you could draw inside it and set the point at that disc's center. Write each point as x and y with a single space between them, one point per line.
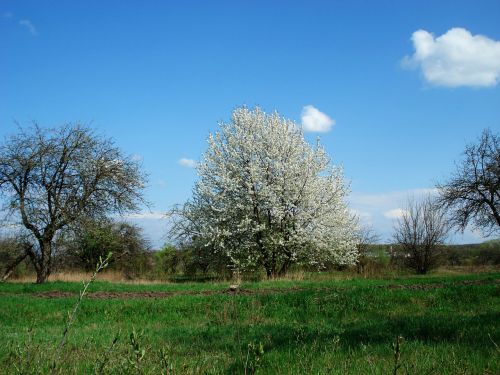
157 77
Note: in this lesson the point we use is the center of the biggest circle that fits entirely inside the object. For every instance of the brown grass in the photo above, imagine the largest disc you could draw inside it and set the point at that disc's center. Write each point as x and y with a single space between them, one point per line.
75 276
459 270
295 275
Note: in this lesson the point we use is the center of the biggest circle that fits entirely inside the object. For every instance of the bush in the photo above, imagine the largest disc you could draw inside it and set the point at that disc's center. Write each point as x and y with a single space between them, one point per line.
10 249
189 262
94 240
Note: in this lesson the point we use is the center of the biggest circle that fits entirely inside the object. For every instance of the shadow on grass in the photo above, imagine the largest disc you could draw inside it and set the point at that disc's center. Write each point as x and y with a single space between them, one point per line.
471 331
476 333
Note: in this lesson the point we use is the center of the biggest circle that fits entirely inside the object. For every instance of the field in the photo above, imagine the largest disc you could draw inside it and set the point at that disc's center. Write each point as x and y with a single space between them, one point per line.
410 325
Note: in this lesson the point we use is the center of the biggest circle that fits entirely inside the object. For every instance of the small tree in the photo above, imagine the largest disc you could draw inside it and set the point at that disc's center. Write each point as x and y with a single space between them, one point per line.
167 259
12 253
472 195
365 236
135 257
419 232
50 178
266 198
94 240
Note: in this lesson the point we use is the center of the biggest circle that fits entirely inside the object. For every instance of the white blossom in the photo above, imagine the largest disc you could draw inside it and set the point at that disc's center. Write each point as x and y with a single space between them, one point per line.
266 198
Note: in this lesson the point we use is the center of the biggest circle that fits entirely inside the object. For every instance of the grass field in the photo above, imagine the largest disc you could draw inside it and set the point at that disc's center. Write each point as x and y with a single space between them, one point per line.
445 325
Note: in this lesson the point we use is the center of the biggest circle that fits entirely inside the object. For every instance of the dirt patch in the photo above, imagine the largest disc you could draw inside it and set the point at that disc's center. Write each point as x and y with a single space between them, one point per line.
127 295
54 294
153 294
241 291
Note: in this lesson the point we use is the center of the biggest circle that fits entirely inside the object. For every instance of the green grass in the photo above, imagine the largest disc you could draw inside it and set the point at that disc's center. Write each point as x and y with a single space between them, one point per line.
325 326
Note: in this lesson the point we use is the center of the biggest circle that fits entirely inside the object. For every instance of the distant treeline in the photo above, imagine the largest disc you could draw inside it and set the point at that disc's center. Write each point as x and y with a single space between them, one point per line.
478 255
134 258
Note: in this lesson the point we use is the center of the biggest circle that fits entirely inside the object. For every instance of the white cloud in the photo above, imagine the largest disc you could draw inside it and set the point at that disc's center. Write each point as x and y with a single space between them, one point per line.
360 214
381 209
29 25
365 218
395 213
456 58
147 215
154 224
188 163
389 200
313 120
137 157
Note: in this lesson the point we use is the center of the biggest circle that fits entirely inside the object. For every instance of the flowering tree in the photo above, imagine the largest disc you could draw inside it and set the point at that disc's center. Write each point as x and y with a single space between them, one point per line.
266 198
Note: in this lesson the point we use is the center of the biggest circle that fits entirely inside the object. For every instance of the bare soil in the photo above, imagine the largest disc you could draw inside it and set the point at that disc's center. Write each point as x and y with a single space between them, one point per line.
241 291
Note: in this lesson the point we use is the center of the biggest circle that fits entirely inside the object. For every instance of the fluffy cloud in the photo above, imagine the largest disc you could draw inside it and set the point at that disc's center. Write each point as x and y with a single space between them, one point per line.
188 163
154 225
313 120
389 200
147 216
29 25
456 58
380 210
394 214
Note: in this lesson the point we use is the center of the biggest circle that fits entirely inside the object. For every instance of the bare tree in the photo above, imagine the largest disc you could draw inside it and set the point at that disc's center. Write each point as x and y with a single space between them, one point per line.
472 195
419 232
50 178
365 236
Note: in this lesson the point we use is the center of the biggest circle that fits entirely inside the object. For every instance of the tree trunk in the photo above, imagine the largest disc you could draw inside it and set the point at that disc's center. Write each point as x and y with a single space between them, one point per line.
42 274
270 269
44 263
269 273
360 268
496 215
284 268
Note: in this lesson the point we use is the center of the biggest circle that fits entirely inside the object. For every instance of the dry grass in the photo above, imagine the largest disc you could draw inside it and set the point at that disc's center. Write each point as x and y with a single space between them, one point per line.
295 275
300 275
459 270
74 276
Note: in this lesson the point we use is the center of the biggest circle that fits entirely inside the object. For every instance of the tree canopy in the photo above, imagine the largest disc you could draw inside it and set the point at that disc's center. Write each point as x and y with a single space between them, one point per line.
472 194
266 198
50 178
